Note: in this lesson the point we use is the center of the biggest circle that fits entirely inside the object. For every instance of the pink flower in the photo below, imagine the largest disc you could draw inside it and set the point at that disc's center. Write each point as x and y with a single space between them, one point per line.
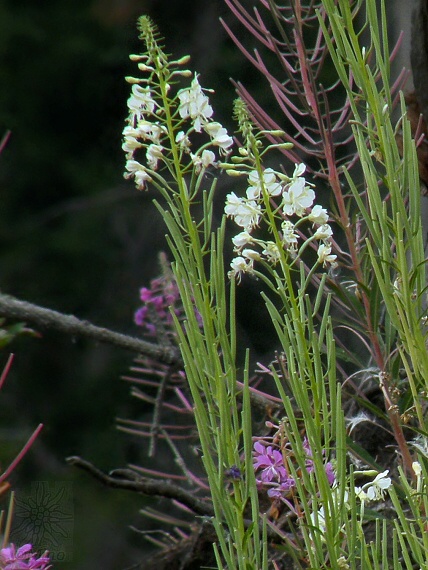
22 559
162 294
331 476
271 462
282 489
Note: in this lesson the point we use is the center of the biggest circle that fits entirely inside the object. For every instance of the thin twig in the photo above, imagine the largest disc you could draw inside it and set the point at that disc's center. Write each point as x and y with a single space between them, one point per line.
21 454
130 481
13 308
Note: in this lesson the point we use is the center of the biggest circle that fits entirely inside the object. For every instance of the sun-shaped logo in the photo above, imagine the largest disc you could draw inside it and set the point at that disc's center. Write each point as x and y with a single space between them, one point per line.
45 518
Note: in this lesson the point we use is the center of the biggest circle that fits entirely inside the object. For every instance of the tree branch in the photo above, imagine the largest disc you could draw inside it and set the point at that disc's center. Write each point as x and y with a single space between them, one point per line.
131 481
13 308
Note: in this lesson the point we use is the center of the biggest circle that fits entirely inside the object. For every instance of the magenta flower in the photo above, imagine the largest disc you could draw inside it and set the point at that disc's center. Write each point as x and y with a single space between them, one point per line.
22 559
274 476
282 489
160 297
331 477
271 462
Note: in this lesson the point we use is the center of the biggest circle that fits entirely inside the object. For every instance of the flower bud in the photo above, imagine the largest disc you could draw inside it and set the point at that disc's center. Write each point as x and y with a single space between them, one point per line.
183 60
231 172
182 73
136 57
287 145
133 80
275 133
144 67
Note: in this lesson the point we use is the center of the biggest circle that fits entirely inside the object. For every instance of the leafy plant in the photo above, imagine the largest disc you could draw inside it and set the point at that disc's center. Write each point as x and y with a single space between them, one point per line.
365 258
326 204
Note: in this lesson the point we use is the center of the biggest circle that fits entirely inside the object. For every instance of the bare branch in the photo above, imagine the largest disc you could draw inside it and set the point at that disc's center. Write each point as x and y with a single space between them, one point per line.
131 481
13 308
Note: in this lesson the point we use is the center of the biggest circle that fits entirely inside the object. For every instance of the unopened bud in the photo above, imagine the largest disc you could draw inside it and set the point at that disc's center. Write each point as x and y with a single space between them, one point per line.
132 80
182 73
136 57
231 172
183 60
275 133
144 67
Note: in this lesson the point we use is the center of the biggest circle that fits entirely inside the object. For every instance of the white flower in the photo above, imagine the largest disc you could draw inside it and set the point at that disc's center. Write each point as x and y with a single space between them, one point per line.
360 494
141 177
240 265
140 102
149 131
325 256
299 169
183 141
318 520
129 131
246 213
324 232
375 490
251 254
130 140
132 166
379 485
253 193
289 236
241 239
270 182
194 104
219 136
318 215
297 198
340 502
207 159
130 144
137 170
272 252
417 469
153 155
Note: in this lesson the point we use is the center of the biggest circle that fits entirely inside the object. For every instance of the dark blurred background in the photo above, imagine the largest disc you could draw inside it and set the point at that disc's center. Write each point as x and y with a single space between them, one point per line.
75 237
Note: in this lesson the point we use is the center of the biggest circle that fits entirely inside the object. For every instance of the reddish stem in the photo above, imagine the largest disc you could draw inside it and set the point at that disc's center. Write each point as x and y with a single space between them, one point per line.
21 454
6 370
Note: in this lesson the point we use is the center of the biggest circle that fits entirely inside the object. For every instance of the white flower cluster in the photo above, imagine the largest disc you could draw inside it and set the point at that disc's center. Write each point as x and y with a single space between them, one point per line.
294 197
371 491
148 130
374 490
